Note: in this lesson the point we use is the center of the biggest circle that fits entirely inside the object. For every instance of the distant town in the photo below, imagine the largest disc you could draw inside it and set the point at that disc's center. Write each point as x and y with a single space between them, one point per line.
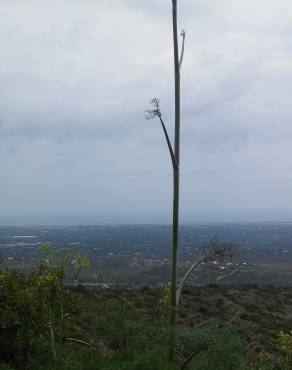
138 255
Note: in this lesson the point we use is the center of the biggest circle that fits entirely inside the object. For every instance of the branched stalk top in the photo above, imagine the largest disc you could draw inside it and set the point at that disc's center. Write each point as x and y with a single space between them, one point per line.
155 112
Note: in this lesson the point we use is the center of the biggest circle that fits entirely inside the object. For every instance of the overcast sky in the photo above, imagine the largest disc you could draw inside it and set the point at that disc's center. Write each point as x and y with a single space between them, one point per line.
76 77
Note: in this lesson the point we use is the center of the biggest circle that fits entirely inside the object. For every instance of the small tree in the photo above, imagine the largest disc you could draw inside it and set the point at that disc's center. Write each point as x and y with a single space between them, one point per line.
51 274
216 250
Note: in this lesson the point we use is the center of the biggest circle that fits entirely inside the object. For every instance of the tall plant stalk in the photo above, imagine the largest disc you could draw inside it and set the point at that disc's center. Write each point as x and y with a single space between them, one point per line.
175 212
175 220
175 157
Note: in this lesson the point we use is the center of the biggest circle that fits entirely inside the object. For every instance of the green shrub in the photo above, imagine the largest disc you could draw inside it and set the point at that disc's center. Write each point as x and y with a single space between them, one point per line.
66 359
266 361
126 329
142 361
216 348
137 340
5 367
35 305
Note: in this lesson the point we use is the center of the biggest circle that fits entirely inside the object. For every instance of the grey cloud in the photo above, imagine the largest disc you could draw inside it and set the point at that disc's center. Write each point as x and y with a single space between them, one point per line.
77 76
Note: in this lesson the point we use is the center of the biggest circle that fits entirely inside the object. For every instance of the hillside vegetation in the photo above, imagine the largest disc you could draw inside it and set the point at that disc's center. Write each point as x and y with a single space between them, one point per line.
46 325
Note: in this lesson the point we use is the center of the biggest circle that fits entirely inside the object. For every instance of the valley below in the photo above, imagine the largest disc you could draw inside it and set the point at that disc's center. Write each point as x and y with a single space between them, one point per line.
137 255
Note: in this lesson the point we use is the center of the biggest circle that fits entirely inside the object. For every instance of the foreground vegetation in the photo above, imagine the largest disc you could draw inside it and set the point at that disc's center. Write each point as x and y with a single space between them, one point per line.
46 325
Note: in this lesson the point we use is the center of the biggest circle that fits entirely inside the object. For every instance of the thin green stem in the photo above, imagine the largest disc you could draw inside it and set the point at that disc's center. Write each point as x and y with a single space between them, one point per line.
175 222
